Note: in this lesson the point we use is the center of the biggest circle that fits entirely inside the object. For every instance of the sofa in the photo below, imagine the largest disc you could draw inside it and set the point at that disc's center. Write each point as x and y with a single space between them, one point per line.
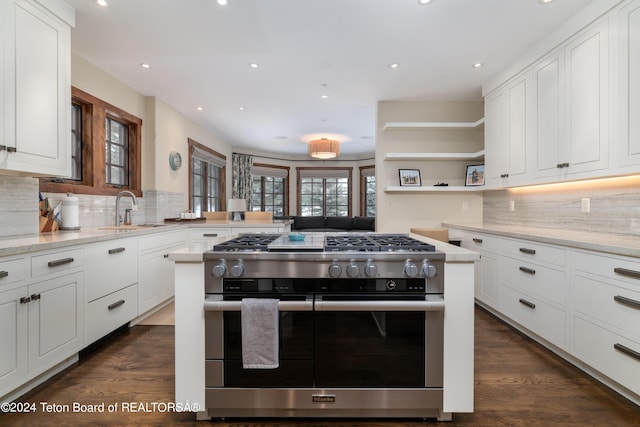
333 223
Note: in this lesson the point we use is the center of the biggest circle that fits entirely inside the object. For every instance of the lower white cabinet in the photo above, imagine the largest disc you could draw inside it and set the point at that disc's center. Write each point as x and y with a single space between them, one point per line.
41 327
584 305
108 313
156 271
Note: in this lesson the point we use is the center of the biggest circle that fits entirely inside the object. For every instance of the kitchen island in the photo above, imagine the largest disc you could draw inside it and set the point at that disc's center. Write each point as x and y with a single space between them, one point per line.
457 266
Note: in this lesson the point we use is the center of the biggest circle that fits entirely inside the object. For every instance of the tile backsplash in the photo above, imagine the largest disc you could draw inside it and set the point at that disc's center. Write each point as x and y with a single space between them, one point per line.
19 206
614 206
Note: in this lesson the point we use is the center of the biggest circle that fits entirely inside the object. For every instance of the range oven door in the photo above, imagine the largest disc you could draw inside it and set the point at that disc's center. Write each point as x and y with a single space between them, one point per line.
379 341
223 343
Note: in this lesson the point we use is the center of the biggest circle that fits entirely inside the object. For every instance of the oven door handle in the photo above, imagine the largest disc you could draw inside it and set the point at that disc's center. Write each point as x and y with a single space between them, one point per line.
216 303
430 303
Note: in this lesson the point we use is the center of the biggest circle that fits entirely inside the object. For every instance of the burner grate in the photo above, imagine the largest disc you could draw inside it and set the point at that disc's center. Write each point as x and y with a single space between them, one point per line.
375 243
247 242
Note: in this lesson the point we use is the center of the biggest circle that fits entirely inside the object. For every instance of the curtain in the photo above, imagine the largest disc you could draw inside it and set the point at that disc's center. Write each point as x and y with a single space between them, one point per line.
241 183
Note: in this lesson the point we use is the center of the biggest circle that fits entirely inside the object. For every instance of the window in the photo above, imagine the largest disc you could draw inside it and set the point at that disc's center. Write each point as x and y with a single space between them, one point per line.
270 189
368 191
105 149
207 170
325 192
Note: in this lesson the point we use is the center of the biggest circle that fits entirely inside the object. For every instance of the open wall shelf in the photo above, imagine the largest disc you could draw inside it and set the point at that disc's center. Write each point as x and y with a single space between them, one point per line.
432 189
433 125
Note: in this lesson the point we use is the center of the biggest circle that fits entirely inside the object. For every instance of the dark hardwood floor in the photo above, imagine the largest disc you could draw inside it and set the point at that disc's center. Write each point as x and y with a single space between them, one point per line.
518 383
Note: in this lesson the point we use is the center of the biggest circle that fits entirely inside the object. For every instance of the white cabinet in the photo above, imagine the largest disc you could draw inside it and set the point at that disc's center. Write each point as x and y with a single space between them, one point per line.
13 333
202 234
41 317
156 271
111 295
507 133
36 98
628 153
607 315
55 320
486 270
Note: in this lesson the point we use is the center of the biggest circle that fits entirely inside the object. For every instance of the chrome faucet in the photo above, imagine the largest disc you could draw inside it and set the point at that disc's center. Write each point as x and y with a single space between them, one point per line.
120 194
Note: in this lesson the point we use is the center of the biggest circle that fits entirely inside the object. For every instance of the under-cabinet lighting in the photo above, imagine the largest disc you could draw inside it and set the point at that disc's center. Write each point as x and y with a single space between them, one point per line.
621 181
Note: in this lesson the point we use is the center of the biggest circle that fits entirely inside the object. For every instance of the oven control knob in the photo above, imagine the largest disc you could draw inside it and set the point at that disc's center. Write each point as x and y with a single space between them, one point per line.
370 269
335 270
428 269
410 269
237 270
219 270
352 269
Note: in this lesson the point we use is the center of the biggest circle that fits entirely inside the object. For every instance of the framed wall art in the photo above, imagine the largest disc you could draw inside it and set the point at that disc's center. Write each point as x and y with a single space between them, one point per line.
410 177
475 175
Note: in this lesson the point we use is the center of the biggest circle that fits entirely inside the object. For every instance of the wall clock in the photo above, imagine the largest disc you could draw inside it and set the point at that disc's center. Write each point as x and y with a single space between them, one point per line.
175 160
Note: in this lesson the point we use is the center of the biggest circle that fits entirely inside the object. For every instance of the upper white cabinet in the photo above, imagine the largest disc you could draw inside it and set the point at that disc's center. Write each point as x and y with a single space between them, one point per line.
507 133
571 113
36 90
629 88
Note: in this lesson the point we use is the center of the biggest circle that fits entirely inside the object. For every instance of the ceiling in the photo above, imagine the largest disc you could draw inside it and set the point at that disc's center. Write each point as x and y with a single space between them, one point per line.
200 55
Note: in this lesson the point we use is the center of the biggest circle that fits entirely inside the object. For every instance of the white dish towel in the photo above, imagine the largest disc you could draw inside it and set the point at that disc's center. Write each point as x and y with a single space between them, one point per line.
260 326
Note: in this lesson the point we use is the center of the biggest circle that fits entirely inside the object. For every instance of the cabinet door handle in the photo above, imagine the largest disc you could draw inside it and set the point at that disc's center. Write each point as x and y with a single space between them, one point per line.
166 255
562 165
527 303
25 300
627 301
626 272
527 270
504 175
3 274
210 235
116 251
475 239
528 251
60 262
626 350
115 304
35 297
7 148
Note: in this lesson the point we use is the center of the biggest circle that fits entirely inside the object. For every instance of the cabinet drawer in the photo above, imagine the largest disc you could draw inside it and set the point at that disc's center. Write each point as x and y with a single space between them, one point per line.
480 242
596 347
534 252
542 282
625 269
13 271
56 262
111 266
203 234
162 240
532 313
612 305
108 313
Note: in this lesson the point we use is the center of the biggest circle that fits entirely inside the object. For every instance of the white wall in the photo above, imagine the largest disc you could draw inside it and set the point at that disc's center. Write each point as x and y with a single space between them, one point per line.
398 212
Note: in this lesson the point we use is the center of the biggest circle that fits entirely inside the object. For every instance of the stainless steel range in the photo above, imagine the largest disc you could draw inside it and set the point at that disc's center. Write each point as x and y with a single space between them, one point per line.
360 326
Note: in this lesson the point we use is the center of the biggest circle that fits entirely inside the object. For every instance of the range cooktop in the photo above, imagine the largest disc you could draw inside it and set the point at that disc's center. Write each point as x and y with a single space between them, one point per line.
321 242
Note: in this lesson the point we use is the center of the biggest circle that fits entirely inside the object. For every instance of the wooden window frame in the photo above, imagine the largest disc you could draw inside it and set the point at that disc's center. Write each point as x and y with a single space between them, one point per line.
286 185
363 187
299 184
94 114
223 173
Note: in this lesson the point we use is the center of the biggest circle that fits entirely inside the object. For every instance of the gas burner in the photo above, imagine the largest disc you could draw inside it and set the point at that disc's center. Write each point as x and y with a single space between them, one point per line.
247 243
375 243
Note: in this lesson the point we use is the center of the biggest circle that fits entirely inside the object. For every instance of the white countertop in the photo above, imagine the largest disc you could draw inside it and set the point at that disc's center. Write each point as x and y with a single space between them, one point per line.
619 244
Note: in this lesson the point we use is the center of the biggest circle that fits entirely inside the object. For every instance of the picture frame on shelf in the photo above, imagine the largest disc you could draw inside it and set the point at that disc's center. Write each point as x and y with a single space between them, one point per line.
474 175
409 177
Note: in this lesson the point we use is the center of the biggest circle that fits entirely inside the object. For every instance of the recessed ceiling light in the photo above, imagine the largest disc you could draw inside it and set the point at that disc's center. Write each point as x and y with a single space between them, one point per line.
199 108
545 1
254 65
394 65
241 108
102 3
478 65
424 2
324 96
222 2
145 65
